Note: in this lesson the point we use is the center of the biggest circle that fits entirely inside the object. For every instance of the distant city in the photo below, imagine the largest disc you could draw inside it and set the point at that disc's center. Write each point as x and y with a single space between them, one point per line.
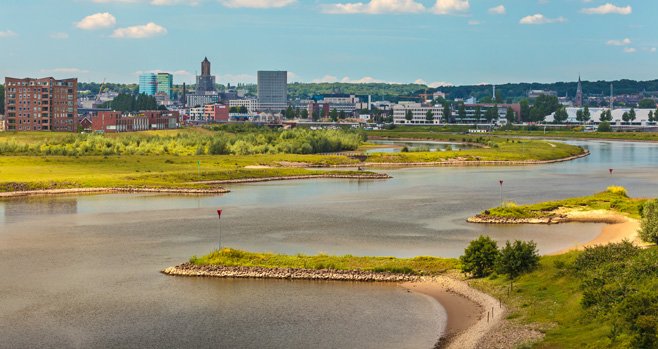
48 104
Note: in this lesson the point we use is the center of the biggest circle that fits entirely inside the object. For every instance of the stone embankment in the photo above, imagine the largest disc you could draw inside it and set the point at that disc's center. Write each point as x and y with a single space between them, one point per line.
46 192
284 178
189 269
485 219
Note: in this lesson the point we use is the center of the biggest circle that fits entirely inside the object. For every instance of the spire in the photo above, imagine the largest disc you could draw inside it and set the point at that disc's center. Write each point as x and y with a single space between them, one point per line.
205 67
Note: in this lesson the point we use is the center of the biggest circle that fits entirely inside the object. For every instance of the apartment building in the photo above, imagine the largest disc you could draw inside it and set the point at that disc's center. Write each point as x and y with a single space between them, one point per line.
115 121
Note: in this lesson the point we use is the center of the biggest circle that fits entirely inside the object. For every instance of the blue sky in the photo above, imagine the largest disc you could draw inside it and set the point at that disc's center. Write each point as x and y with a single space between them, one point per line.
433 41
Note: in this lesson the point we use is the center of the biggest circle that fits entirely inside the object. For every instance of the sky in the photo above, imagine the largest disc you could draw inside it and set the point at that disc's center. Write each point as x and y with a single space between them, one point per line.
435 42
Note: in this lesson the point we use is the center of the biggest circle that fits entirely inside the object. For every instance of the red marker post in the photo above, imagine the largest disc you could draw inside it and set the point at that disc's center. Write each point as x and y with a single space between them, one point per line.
219 227
610 170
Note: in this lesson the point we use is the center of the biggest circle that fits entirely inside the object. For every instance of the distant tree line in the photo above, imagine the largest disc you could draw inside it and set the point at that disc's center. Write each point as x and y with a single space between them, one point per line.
131 103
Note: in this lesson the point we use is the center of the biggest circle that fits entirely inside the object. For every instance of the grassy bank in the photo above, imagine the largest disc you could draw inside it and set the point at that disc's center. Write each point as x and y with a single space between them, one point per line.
566 134
600 298
613 199
163 171
417 266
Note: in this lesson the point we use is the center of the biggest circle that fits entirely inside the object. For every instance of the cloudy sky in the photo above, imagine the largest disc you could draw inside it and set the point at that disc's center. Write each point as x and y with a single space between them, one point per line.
431 41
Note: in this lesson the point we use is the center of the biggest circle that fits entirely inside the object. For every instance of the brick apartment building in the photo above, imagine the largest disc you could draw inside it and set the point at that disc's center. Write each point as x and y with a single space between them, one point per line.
115 121
44 104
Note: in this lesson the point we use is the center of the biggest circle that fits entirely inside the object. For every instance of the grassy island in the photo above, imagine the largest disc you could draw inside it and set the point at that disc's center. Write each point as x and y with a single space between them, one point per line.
203 159
614 200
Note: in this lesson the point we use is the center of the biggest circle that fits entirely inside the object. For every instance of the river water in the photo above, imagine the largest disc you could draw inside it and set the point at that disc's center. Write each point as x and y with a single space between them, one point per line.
82 271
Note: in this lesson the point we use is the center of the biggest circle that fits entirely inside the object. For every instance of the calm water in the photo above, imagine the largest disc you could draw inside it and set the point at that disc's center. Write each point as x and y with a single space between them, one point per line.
416 146
81 271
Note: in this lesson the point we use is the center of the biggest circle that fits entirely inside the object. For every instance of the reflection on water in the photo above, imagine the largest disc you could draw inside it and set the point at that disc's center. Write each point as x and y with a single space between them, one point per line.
416 146
81 271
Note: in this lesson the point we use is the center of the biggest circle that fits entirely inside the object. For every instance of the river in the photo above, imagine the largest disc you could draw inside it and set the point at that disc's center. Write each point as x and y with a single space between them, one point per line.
82 271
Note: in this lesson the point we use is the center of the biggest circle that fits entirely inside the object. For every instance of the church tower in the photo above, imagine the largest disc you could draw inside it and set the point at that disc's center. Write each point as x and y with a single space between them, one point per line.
579 93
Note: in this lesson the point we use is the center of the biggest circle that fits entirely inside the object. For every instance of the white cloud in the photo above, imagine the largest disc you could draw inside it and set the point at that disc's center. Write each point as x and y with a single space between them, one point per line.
444 7
65 71
541 19
59 36
257 3
97 21
7 34
292 77
347 79
630 49
434 84
174 2
375 7
653 49
622 42
608 9
473 22
498 10
139 31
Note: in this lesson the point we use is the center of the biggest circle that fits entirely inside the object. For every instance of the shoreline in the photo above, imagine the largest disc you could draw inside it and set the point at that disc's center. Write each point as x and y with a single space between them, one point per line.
52 192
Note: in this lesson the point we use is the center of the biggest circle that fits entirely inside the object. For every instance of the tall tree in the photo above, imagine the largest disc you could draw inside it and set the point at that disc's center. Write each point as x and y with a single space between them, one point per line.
561 115
290 113
491 114
511 118
626 117
429 116
478 114
333 115
650 119
586 114
647 104
304 114
447 113
632 115
408 115
462 112
579 115
525 110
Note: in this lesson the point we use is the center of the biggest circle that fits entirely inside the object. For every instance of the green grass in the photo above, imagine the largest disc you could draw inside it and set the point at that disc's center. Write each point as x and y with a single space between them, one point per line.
417 265
613 199
549 298
163 171
569 134
493 148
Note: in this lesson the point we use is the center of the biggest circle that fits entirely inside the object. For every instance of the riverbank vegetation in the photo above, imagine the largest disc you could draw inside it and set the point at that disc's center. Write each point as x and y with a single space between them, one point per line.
613 199
416 266
182 142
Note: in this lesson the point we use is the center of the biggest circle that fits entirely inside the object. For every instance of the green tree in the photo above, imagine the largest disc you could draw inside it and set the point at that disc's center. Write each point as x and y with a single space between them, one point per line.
447 113
579 115
316 115
290 113
649 227
478 114
333 114
604 126
304 114
544 105
480 257
491 114
587 116
650 119
461 113
511 118
342 115
631 115
626 117
525 110
561 115
243 110
517 258
2 99
408 115
233 110
429 116
647 104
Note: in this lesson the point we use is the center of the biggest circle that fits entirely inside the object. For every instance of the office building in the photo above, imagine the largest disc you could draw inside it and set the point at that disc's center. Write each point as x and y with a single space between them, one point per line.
44 104
418 113
272 90
165 84
148 84
114 121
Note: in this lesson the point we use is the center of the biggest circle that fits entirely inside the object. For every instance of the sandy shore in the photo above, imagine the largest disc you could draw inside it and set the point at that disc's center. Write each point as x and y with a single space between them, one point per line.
471 314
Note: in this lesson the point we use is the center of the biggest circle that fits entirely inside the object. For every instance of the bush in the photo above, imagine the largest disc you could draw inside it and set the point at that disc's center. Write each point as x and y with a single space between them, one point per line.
649 229
617 190
517 258
480 257
604 127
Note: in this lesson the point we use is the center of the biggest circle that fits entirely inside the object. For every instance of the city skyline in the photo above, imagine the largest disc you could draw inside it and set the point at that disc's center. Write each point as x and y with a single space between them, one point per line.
449 41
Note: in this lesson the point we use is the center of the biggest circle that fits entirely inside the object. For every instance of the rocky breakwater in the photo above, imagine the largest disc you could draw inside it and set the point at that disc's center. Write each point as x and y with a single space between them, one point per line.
190 269
487 219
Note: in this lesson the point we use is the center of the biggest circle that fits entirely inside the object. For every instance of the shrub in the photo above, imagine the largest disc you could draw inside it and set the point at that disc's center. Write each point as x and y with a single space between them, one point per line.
517 258
617 190
480 257
649 228
604 127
